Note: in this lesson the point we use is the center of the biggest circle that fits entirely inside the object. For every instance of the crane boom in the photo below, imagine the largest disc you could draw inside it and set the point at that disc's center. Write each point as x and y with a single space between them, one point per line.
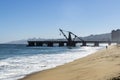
63 33
77 36
70 35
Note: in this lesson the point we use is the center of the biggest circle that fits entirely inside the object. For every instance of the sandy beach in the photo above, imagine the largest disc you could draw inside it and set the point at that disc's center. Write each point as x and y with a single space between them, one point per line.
102 65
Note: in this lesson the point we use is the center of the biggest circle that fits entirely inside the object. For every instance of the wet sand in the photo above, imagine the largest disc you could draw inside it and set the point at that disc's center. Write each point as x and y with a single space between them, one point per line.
102 65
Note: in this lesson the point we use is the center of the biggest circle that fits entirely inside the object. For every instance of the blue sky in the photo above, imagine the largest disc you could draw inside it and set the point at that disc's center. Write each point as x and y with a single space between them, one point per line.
23 19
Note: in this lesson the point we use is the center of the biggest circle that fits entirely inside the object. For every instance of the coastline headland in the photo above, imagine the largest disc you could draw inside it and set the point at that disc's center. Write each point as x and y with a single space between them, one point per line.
102 65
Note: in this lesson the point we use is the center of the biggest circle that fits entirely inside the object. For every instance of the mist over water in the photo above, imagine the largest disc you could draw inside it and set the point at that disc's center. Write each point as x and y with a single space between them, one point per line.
16 61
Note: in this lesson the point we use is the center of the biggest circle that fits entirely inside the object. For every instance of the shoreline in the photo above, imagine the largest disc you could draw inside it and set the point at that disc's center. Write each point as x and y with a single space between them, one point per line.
92 67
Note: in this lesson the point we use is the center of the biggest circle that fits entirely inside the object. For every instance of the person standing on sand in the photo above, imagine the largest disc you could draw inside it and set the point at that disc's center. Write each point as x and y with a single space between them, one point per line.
106 47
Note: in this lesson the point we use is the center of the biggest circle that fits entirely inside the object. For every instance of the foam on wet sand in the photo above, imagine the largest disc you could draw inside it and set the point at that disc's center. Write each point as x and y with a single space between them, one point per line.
102 65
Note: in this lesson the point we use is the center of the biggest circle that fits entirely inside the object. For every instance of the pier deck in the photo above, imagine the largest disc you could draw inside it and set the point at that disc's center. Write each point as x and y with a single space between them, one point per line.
51 43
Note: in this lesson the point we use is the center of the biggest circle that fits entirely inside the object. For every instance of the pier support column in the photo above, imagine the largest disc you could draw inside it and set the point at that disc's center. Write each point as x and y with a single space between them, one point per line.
39 44
50 44
70 44
31 44
61 44
73 44
67 44
96 44
84 43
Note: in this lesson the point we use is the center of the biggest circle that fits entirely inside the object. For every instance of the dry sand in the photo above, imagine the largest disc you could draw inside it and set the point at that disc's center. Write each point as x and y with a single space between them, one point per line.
103 65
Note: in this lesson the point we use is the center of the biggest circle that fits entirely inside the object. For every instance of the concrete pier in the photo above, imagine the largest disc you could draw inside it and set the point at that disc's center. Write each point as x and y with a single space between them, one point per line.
62 43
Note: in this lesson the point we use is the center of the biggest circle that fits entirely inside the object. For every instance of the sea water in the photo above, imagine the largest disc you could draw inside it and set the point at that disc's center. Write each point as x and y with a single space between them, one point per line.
17 61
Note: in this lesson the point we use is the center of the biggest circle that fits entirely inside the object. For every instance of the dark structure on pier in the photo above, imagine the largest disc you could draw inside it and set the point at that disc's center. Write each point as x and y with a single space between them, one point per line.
70 42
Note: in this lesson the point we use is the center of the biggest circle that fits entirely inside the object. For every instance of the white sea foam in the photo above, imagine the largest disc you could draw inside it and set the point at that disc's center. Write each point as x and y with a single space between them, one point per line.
17 67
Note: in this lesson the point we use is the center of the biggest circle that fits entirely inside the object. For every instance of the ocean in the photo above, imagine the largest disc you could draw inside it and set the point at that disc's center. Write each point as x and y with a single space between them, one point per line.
17 61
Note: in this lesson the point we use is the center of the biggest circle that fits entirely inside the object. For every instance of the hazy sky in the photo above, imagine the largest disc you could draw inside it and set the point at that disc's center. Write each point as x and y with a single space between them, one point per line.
22 19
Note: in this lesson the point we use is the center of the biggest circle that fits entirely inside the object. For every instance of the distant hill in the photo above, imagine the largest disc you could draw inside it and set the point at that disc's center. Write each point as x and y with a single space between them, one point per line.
99 37
17 42
24 41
